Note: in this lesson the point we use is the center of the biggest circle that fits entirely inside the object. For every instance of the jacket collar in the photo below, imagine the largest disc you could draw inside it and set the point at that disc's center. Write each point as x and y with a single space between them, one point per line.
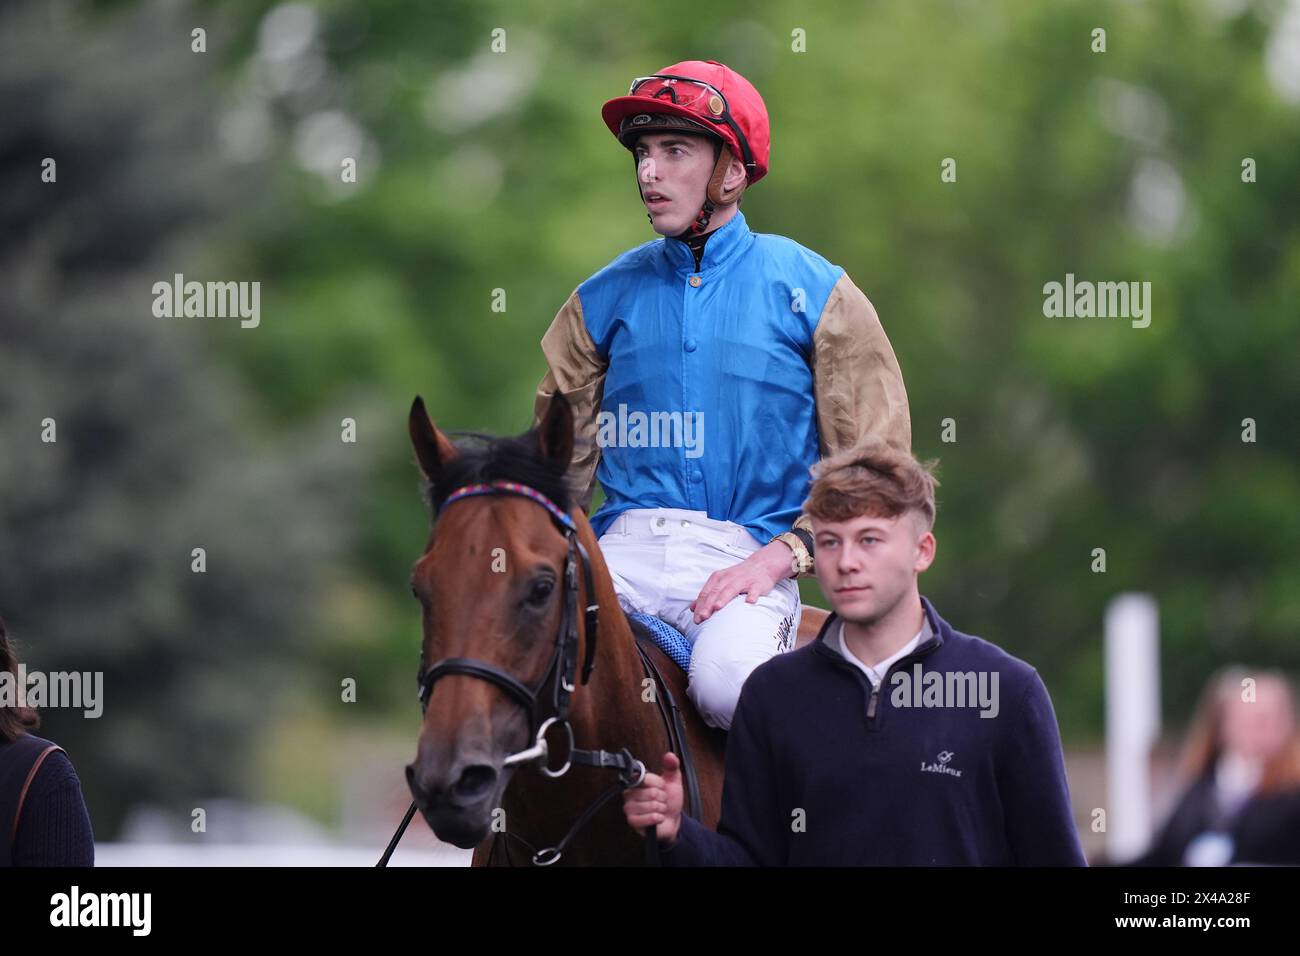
723 246
939 629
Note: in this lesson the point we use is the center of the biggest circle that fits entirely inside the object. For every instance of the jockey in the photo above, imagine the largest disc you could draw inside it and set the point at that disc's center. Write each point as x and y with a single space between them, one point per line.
708 370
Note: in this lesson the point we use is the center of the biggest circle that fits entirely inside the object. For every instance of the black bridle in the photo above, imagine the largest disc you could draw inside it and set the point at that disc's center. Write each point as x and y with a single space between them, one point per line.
560 673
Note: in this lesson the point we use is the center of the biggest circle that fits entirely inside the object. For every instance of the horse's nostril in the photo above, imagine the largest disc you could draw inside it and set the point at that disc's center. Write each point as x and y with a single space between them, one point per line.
474 782
413 782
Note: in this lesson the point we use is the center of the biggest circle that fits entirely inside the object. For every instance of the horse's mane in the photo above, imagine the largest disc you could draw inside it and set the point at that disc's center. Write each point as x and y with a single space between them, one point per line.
487 458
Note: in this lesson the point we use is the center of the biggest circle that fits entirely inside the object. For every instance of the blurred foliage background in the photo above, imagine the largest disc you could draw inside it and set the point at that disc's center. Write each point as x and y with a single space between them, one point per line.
481 170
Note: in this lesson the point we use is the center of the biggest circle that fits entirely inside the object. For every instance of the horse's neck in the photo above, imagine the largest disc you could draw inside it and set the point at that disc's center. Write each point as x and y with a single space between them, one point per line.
608 706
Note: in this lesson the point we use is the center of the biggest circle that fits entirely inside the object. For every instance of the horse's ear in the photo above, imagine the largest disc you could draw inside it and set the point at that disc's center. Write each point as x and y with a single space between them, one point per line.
555 431
433 450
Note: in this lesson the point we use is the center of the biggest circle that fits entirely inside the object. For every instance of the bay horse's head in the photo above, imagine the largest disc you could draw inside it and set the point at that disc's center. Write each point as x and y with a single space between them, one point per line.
492 588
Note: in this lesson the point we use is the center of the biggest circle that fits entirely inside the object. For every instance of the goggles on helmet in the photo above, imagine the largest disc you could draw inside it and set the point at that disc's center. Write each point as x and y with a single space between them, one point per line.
697 96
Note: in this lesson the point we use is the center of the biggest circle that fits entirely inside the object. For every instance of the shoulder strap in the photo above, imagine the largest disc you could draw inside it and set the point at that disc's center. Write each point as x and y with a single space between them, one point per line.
19 761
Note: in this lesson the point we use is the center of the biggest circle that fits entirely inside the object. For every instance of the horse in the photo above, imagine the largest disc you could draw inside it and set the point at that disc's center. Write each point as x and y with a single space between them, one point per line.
514 592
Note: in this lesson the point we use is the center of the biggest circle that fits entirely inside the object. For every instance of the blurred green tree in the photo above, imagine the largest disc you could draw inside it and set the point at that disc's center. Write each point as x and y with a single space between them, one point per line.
158 450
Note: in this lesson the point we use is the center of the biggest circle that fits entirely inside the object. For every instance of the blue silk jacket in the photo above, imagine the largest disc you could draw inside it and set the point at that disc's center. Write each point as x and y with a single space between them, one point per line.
716 390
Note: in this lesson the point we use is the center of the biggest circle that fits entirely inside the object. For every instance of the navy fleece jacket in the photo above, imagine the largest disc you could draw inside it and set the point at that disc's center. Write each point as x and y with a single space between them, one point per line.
817 773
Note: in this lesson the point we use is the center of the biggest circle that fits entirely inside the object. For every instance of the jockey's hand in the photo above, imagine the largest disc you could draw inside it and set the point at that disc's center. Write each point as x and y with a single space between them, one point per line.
753 577
657 801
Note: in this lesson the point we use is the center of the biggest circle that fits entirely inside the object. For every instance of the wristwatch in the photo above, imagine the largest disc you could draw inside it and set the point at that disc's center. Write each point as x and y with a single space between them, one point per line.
802 560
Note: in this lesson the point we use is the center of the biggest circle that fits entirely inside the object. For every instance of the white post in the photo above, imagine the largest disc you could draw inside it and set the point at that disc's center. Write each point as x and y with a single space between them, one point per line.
1132 662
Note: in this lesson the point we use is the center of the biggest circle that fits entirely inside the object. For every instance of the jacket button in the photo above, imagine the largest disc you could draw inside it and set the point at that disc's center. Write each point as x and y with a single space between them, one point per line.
695 282
690 345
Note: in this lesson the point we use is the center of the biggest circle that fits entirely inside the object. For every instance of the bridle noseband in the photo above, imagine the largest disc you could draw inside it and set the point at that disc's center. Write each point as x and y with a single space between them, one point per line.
560 673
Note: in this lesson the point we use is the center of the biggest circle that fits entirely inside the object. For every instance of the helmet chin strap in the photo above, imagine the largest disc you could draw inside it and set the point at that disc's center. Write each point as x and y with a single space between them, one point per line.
701 222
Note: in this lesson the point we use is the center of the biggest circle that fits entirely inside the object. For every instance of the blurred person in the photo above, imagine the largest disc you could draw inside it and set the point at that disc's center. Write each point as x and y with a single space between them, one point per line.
747 355
43 817
834 758
1241 768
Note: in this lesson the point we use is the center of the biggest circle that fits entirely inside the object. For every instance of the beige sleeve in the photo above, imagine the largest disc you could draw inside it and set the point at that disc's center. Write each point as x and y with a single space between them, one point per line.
857 384
577 370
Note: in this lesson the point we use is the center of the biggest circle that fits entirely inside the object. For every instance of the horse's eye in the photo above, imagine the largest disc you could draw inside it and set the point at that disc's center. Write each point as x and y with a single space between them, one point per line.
540 593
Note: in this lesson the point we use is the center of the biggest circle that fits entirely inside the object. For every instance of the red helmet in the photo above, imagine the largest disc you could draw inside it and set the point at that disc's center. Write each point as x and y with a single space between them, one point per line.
700 96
